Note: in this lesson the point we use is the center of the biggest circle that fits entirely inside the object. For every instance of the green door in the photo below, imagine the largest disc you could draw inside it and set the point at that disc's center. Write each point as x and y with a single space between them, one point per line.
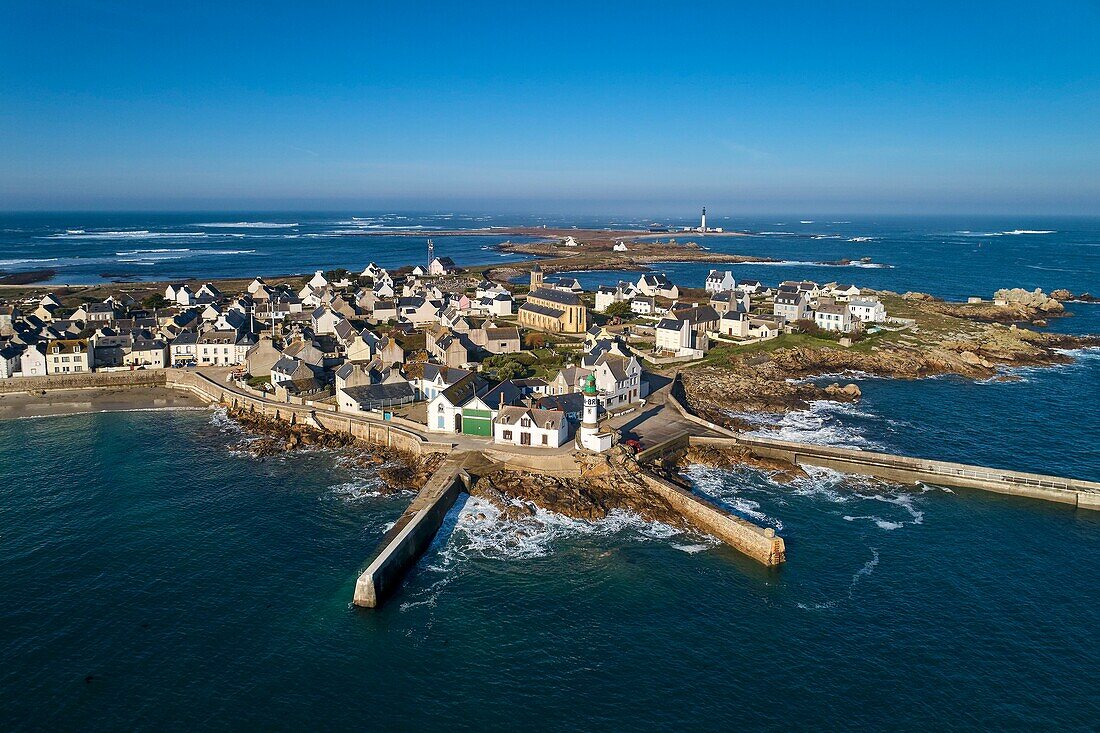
477 422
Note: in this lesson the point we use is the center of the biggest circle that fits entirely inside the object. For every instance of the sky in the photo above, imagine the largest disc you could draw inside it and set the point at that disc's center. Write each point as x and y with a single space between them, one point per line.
612 108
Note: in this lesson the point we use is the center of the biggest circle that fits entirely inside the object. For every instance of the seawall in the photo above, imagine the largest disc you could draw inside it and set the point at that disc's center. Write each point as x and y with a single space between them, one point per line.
378 432
89 380
410 536
760 543
907 470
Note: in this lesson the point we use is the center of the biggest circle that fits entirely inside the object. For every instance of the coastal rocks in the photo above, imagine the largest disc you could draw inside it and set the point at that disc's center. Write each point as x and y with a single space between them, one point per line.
399 470
1030 299
714 457
847 393
274 437
608 482
919 297
1063 295
973 359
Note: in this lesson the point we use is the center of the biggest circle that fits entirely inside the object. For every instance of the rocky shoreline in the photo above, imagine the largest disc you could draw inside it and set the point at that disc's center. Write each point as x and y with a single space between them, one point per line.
948 338
399 470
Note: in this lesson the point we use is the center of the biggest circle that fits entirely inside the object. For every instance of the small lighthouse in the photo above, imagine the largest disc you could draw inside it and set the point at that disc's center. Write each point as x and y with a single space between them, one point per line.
703 221
431 253
590 437
591 404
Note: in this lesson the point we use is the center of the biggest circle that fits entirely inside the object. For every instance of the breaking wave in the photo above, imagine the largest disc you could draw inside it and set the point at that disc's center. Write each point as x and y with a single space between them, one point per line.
245 225
822 424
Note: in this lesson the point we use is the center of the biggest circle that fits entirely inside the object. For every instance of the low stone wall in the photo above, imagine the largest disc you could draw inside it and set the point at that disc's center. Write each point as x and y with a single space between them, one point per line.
760 543
670 447
675 399
89 380
409 537
373 431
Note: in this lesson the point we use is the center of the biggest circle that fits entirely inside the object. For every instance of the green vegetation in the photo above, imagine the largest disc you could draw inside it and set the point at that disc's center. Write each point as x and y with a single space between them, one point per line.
259 382
620 309
722 353
505 366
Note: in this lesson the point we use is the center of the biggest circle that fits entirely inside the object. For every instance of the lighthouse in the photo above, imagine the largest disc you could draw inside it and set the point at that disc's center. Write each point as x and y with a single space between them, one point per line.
591 404
703 221
590 437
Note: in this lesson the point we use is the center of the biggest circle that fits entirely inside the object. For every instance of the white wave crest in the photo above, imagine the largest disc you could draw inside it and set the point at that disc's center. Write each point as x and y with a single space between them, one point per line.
130 234
245 225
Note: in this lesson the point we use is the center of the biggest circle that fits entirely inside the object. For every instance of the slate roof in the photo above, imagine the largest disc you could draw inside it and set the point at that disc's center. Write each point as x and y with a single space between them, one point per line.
556 296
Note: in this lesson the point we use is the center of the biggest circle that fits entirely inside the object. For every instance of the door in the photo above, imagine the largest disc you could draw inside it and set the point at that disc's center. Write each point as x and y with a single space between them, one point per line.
458 422
525 439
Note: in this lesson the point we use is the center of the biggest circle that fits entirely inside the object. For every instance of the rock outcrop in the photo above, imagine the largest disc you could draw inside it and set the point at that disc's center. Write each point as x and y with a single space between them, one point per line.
1032 299
608 481
714 457
399 470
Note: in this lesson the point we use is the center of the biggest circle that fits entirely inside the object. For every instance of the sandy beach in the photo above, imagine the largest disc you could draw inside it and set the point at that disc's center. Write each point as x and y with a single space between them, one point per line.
84 401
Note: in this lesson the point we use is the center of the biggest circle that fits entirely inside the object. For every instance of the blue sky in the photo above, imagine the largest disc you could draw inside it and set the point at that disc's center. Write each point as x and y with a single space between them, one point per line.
552 107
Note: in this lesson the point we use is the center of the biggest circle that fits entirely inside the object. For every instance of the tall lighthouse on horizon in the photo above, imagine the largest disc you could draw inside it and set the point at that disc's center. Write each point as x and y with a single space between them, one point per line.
703 221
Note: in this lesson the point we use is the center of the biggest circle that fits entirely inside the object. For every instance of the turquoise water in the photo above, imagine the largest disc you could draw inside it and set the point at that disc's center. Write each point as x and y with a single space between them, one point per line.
152 579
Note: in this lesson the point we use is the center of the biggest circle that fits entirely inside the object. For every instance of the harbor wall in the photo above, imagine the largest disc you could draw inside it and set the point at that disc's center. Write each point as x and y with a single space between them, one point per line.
907 470
378 432
409 537
87 380
760 543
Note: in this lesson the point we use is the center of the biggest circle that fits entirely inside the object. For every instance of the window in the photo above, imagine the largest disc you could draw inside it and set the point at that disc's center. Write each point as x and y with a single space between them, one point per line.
545 439
525 422
507 435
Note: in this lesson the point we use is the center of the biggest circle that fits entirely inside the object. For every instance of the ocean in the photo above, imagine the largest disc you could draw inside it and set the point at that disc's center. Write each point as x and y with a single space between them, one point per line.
175 584
949 257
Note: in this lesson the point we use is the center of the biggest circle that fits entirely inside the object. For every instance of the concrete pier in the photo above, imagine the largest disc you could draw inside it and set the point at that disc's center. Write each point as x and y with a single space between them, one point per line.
410 536
760 543
907 470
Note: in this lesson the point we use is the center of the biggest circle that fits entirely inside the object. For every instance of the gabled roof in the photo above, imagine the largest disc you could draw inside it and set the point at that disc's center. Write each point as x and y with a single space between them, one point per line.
542 310
462 390
555 296
545 419
369 394
450 374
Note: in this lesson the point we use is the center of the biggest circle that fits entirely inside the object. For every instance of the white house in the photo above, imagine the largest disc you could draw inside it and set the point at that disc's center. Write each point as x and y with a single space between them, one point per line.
444 413
674 336
221 348
184 348
530 426
318 280
717 281
734 324
791 304
833 317
32 362
844 293
866 310
657 283
10 358
642 306
442 266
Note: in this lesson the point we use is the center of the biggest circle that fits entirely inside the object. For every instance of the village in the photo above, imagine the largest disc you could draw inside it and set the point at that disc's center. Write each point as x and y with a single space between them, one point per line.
542 364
